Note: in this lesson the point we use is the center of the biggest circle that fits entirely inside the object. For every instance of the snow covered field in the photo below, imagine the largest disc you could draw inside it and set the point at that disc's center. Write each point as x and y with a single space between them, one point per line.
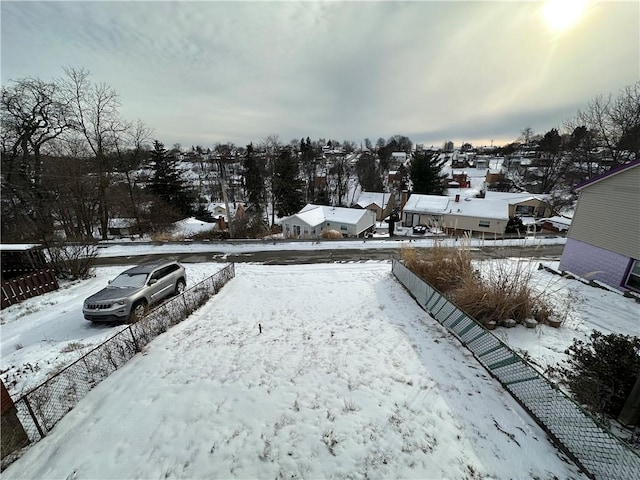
348 379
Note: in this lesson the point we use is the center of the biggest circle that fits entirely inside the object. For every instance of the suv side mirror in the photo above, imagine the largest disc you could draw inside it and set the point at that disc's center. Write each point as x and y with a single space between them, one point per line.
153 281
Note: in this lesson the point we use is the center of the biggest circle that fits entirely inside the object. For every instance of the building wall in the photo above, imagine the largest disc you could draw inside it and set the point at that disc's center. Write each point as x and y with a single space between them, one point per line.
540 208
594 263
464 223
347 229
608 214
289 230
411 219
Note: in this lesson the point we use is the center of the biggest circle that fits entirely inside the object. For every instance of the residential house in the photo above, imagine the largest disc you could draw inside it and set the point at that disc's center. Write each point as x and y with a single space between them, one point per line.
381 203
523 204
122 227
603 242
424 210
312 220
460 213
218 210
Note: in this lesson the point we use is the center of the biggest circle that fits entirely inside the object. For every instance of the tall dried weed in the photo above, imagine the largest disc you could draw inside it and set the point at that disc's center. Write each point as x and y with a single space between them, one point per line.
501 290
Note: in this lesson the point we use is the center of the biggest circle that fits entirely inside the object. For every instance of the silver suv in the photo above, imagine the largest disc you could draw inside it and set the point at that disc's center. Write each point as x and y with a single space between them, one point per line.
130 294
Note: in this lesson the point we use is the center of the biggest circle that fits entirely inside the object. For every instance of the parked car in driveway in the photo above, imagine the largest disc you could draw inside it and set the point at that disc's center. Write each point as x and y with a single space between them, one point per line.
420 229
130 294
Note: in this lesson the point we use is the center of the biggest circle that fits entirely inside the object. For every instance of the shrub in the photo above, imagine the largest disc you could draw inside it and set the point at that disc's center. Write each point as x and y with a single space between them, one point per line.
72 260
502 292
601 372
445 268
331 234
211 235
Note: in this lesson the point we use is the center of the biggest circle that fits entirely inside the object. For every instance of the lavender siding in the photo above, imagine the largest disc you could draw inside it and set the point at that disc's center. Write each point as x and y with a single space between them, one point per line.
594 263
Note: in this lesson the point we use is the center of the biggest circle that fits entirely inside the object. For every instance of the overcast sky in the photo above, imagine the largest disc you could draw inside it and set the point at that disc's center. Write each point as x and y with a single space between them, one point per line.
207 72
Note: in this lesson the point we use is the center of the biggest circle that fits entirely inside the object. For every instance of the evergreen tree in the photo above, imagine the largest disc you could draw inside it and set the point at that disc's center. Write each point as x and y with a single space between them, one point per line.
254 180
426 173
287 186
169 186
310 168
369 174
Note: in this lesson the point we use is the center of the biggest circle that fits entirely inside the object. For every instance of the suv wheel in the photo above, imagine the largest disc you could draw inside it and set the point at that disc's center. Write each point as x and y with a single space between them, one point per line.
180 286
138 311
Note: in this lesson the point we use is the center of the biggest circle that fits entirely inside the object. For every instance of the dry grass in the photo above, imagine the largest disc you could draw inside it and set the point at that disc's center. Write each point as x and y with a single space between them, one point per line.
331 234
165 236
500 292
445 268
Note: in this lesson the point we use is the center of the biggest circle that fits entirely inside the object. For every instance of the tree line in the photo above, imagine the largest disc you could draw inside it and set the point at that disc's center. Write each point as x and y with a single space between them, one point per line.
72 163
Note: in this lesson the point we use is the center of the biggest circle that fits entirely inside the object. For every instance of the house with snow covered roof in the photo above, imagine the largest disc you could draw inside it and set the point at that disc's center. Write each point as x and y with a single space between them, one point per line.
312 220
603 243
460 213
381 203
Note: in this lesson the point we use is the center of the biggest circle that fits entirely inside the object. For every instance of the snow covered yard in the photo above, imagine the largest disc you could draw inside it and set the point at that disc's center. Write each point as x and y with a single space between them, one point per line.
43 334
584 308
348 379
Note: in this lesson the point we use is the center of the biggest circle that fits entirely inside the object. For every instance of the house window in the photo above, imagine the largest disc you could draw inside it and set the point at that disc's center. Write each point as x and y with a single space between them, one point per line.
484 223
633 280
343 228
296 230
525 210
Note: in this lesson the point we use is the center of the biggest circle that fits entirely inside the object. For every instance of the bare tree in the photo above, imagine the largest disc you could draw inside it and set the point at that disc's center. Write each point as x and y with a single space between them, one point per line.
33 114
526 135
130 151
96 115
614 121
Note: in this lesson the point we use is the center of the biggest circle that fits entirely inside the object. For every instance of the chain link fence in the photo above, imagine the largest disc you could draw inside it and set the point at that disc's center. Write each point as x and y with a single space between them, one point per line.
43 406
595 449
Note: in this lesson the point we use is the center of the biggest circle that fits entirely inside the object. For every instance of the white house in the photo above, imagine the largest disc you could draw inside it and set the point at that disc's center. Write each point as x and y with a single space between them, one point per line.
312 220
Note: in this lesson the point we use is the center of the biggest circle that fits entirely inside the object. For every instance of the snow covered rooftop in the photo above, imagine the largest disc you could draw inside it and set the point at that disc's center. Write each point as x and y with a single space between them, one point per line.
434 204
480 207
379 198
314 215
512 198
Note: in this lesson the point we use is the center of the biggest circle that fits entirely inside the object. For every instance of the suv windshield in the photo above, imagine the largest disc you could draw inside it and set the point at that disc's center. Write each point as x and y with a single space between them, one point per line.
129 280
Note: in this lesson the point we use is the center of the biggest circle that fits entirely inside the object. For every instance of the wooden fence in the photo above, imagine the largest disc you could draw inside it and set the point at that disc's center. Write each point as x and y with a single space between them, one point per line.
27 286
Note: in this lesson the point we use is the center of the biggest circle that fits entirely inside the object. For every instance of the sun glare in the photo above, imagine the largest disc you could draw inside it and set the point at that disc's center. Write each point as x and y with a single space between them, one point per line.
562 14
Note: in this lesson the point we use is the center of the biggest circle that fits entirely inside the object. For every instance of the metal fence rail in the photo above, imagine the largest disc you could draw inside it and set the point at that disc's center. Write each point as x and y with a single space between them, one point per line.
43 406
591 445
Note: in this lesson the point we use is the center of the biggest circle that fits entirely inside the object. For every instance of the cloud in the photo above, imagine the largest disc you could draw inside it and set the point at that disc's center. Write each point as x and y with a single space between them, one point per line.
206 72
